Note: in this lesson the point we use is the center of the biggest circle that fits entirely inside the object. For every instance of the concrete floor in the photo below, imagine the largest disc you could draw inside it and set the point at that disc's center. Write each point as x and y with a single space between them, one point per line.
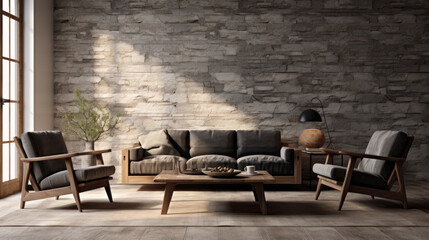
51 219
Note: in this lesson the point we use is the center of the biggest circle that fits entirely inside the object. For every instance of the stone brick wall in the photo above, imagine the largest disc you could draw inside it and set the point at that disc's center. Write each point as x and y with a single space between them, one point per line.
248 64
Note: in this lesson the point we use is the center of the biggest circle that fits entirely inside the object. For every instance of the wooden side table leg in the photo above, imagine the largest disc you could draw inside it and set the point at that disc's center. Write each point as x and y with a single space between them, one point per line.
311 166
168 194
259 190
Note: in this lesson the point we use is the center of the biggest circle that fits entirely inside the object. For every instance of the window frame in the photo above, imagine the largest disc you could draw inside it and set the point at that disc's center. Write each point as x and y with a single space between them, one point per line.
13 185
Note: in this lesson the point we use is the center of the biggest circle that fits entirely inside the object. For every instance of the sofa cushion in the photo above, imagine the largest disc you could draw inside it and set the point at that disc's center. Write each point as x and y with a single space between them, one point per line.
200 162
156 164
61 179
136 153
287 154
358 177
157 143
206 142
383 143
266 142
180 141
273 164
44 143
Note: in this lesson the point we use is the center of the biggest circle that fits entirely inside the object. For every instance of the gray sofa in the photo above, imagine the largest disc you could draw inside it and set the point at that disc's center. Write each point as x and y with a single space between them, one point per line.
198 148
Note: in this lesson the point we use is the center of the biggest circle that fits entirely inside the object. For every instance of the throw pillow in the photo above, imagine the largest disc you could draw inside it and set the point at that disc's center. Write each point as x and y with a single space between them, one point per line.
157 143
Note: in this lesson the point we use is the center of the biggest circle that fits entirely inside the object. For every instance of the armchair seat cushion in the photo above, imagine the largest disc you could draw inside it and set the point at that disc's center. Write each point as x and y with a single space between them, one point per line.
273 164
359 178
61 178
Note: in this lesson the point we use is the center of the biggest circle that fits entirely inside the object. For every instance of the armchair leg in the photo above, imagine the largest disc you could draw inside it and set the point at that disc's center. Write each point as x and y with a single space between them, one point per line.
343 197
77 199
73 184
57 197
400 177
108 192
372 197
22 204
347 180
26 176
319 189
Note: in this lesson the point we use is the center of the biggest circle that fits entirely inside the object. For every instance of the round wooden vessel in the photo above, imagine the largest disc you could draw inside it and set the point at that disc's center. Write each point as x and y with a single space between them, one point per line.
312 138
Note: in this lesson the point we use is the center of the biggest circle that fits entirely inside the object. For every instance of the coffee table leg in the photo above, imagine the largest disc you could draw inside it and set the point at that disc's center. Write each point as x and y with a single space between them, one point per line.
168 194
254 193
259 190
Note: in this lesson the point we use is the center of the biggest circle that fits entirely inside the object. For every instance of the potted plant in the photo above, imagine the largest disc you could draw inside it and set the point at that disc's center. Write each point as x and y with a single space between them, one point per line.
89 123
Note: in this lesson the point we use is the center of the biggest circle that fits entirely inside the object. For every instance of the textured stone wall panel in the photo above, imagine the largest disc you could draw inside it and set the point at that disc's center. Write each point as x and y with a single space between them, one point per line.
248 64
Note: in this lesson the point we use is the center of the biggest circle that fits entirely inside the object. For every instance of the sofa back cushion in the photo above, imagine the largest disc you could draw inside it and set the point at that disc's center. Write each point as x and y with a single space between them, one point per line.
221 142
266 142
44 143
384 143
157 143
180 141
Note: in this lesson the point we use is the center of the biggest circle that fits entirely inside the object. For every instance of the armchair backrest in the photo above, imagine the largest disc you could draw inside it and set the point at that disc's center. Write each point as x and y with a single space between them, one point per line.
385 143
44 143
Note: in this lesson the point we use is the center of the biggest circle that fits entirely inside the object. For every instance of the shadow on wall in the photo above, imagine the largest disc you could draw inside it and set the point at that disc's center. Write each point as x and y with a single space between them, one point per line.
239 65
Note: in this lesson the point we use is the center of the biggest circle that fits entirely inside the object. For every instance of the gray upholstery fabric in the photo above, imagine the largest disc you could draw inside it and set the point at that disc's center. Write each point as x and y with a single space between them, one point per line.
61 179
199 162
157 143
250 142
205 142
287 154
383 143
360 178
155 164
136 153
180 141
44 143
273 164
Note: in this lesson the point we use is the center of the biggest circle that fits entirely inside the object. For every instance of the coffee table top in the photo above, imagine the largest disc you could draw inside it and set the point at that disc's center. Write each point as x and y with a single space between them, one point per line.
171 176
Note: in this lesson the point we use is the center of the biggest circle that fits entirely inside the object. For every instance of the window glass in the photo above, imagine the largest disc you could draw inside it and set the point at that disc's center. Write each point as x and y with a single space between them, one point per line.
5 79
5 114
5 37
14 80
5 161
14 7
6 5
14 31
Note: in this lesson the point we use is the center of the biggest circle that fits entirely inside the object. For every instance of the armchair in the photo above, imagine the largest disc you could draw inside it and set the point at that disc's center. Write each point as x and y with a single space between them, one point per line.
48 166
380 167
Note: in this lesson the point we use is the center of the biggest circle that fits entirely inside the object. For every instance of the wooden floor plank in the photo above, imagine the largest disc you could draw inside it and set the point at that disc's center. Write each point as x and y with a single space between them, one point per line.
356 233
240 233
163 233
323 233
284 233
209 233
406 233
198 233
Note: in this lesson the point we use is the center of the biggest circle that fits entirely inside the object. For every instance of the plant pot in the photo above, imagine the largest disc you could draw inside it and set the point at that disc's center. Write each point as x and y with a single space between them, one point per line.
88 160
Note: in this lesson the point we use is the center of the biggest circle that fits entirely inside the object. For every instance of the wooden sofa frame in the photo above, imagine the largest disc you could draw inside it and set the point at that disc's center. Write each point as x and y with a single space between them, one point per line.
148 179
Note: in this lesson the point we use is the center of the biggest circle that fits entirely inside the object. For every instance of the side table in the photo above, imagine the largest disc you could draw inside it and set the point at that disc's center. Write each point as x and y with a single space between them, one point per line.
314 153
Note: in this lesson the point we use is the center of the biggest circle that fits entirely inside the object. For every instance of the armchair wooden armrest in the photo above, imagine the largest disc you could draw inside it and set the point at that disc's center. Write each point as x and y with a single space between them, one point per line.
64 156
363 155
330 151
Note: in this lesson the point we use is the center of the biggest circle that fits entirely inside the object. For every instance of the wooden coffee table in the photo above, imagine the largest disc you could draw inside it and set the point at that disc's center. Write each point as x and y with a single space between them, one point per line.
172 179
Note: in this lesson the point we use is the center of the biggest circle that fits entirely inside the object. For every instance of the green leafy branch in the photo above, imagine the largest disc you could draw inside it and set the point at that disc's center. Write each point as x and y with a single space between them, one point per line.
90 122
